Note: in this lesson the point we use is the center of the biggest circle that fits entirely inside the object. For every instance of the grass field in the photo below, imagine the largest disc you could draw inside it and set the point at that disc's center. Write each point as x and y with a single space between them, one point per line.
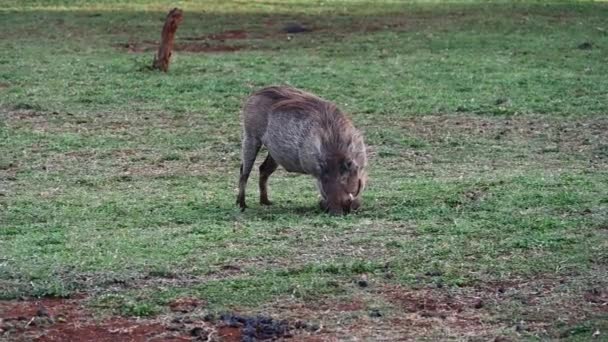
486 214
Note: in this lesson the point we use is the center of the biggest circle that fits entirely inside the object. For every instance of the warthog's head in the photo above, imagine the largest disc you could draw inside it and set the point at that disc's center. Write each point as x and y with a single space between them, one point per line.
341 185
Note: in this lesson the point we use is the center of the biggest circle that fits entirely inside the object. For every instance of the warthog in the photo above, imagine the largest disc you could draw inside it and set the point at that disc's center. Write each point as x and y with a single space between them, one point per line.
304 134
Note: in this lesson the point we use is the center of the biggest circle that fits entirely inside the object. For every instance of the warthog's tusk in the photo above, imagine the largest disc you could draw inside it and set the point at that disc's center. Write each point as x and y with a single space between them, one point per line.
352 198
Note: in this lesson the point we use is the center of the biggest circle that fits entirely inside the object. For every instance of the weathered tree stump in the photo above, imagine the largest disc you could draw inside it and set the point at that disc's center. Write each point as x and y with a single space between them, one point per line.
163 56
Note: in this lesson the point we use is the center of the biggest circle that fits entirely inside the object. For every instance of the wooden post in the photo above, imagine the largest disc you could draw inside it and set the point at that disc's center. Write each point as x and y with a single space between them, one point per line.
163 56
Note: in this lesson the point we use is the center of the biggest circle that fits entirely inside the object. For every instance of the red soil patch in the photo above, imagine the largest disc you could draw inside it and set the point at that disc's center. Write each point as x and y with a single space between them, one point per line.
230 334
68 320
43 307
112 330
55 319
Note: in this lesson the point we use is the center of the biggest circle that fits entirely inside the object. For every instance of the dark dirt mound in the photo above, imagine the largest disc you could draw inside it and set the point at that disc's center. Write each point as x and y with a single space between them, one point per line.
235 327
252 328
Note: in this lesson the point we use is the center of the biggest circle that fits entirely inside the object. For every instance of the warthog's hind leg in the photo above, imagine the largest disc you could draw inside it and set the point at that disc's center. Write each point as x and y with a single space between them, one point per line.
266 169
250 149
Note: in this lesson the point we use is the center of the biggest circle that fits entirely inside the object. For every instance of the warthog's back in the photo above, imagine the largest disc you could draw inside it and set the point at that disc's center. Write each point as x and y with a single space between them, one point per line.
298 128
292 140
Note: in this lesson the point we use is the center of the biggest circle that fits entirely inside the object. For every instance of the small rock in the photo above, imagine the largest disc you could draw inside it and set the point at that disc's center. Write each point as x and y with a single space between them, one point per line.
501 100
434 273
426 314
313 327
375 313
198 332
295 28
300 325
521 326
362 283
42 312
478 304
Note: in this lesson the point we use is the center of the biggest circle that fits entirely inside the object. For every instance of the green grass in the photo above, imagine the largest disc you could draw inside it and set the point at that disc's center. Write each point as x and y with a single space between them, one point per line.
488 143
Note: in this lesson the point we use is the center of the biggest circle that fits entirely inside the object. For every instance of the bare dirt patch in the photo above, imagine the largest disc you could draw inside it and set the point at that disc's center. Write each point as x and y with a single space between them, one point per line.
197 47
211 43
426 308
53 319
493 144
225 35
572 134
497 310
68 320
599 297
36 120
203 47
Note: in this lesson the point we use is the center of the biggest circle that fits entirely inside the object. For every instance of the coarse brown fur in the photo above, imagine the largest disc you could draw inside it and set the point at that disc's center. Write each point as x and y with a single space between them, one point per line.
305 134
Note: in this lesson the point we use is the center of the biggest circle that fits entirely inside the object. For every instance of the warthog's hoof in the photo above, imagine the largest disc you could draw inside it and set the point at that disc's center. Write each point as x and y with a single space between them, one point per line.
241 203
323 205
265 201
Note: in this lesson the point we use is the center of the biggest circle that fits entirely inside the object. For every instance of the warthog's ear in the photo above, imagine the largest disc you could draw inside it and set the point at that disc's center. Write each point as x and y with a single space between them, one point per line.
348 166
